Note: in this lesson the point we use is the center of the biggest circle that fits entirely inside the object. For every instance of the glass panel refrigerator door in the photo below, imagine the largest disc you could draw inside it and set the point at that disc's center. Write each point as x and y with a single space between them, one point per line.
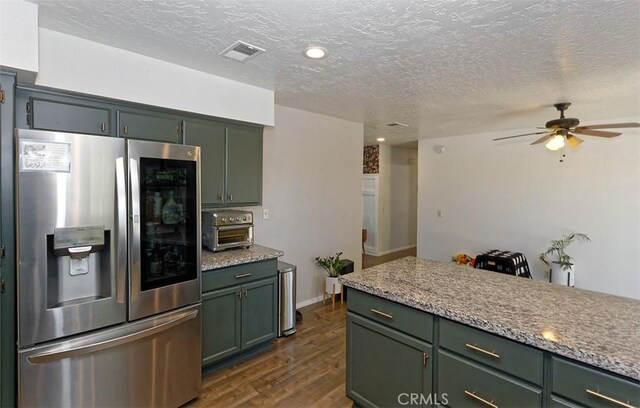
168 230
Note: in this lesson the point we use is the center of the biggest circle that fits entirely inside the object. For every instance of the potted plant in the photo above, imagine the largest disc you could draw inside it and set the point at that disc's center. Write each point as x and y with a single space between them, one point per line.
562 268
333 265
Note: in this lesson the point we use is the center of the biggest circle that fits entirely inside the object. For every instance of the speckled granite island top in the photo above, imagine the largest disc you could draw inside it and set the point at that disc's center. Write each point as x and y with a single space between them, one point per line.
594 328
230 257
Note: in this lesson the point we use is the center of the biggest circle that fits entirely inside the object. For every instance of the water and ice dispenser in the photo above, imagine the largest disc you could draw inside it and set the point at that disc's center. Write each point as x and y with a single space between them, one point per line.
79 265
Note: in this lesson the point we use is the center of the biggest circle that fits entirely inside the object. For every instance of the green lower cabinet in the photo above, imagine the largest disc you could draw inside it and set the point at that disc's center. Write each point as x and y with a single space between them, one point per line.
386 368
259 319
463 383
590 387
221 311
237 318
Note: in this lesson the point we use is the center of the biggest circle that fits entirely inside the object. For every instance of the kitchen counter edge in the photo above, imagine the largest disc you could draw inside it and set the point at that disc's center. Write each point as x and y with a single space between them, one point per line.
255 253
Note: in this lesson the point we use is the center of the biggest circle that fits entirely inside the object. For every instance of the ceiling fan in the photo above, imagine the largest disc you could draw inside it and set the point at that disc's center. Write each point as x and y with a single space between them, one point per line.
559 131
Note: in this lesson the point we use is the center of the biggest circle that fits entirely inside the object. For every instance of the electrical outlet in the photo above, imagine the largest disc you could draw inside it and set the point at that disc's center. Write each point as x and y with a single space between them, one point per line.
265 213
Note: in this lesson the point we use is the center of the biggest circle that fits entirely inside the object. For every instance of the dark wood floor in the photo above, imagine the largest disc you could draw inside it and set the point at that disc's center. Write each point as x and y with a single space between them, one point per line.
369 260
303 370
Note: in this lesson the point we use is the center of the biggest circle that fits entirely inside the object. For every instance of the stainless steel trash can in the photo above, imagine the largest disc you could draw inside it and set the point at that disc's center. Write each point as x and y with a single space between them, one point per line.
286 299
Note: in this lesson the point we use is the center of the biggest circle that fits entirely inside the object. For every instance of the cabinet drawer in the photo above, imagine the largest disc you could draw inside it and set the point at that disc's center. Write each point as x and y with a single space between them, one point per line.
238 274
404 318
591 387
497 352
462 383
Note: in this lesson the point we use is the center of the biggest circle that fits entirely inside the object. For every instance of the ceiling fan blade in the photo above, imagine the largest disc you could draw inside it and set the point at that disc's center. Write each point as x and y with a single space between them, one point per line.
524 134
543 139
611 126
598 133
574 140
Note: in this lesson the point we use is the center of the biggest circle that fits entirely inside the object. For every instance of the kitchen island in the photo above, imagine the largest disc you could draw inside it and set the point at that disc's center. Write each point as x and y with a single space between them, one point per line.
456 319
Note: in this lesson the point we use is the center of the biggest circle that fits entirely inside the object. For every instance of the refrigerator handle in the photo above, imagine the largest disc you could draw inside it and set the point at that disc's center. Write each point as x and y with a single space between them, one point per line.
90 346
121 243
135 228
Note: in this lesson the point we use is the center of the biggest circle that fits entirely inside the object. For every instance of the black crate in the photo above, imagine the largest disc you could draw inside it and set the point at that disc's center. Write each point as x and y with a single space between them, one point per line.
510 263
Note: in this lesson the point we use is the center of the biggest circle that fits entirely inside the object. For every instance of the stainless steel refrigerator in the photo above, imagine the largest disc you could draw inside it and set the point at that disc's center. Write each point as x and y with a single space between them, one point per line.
108 234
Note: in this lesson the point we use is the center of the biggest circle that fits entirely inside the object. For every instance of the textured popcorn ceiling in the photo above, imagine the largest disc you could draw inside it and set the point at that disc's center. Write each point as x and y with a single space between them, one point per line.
443 67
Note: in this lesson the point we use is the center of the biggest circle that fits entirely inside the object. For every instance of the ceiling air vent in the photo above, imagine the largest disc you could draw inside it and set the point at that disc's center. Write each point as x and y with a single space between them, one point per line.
241 51
397 124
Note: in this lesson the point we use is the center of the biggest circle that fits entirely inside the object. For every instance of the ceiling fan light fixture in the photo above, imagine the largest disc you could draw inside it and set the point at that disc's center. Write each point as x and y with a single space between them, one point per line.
556 143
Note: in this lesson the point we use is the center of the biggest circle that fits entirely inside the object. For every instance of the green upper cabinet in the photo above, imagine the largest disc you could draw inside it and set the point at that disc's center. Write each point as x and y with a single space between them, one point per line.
210 136
148 125
62 113
244 165
231 161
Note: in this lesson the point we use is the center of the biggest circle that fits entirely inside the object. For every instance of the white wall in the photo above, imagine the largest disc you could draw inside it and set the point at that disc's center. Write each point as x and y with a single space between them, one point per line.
404 197
397 206
19 37
312 184
79 65
383 242
513 196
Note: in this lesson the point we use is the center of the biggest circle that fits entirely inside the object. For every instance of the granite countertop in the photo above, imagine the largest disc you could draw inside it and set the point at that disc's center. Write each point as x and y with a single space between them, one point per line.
595 328
237 256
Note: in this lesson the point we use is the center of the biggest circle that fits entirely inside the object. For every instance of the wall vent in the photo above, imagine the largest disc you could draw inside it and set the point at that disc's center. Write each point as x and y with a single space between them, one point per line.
397 124
241 51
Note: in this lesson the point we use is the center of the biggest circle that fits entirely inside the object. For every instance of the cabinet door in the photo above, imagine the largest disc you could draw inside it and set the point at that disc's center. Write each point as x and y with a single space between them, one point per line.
386 368
244 165
259 319
152 126
68 117
221 310
209 136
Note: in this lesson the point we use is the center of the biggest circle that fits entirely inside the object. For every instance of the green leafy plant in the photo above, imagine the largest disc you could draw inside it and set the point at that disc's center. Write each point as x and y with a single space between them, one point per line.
332 264
557 250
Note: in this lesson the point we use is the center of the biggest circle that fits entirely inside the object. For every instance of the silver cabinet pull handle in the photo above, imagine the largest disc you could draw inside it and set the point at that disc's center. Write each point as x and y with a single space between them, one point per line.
220 197
606 398
243 275
484 401
126 129
246 294
383 314
103 126
230 197
481 350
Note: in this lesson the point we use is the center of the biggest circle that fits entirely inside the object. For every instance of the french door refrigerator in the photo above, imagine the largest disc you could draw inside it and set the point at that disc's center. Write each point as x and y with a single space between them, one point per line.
108 234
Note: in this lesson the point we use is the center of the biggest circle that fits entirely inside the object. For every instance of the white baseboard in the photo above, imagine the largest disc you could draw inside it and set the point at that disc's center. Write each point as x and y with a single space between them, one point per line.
391 250
309 302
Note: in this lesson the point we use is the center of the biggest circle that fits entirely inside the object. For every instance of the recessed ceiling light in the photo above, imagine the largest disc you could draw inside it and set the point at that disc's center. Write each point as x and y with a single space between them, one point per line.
315 52
380 139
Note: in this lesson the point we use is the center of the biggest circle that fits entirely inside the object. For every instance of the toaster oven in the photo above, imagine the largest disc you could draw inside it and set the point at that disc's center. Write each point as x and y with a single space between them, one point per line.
225 229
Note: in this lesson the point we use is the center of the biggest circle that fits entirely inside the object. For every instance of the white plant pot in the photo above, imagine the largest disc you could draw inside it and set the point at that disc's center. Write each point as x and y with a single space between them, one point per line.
332 286
563 276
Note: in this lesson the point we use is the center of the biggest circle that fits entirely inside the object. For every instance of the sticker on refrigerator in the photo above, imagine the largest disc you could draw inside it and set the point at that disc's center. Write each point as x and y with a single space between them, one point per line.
45 156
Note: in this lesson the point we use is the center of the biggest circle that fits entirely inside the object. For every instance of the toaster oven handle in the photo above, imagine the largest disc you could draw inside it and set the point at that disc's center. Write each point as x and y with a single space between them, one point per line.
232 227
